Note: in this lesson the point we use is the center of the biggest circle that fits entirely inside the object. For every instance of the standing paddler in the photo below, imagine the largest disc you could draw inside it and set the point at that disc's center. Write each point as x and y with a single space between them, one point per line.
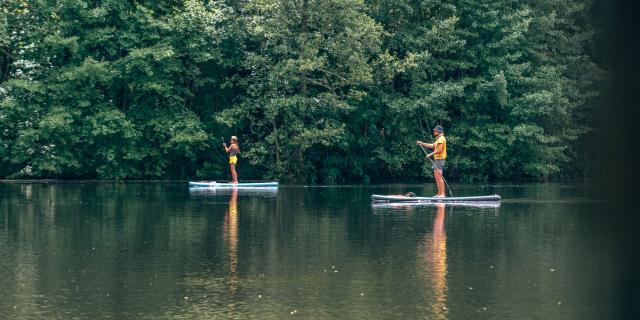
233 151
439 155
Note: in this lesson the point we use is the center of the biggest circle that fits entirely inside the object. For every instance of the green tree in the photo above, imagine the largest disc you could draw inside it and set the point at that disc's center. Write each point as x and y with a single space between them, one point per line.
318 91
500 75
308 64
112 94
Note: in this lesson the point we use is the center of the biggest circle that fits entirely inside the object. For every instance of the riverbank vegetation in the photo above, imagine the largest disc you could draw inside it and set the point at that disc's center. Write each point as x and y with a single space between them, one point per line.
318 91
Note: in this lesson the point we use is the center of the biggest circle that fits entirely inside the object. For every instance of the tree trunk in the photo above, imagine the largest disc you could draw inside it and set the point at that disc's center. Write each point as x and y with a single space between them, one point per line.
303 27
275 132
5 62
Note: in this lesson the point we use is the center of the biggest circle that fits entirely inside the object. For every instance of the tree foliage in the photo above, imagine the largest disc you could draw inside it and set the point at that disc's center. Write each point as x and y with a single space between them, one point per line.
318 91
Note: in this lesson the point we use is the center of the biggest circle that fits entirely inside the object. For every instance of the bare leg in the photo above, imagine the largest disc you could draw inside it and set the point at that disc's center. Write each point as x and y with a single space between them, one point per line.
439 182
234 175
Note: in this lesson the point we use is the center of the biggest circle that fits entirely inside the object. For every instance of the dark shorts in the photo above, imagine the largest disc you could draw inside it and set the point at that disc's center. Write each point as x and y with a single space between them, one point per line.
438 164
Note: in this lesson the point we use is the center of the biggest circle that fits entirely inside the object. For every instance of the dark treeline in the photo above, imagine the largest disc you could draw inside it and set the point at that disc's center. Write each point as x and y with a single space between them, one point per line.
318 91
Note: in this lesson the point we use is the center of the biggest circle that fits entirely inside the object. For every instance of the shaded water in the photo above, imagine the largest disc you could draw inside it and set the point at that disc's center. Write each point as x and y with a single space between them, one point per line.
156 251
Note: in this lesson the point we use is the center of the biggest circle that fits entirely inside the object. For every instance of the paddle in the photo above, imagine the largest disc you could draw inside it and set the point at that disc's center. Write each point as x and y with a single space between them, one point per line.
436 170
223 167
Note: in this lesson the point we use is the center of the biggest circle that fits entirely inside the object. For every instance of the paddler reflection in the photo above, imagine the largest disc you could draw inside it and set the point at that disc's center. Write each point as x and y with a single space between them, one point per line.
435 264
231 239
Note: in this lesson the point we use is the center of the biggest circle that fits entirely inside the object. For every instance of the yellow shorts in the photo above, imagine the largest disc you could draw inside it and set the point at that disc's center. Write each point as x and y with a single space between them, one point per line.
233 160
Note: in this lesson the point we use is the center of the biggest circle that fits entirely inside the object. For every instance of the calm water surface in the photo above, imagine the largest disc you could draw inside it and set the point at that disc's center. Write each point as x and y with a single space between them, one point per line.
159 251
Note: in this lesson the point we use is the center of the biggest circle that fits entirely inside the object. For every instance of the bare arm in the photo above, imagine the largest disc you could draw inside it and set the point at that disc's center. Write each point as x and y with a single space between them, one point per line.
424 144
439 148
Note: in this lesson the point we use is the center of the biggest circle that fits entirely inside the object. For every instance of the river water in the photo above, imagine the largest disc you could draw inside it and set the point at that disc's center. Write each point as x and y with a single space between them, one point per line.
159 251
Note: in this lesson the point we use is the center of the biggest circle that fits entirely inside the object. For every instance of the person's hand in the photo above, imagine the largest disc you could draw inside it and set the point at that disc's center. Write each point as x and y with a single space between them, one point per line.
224 144
419 142
429 155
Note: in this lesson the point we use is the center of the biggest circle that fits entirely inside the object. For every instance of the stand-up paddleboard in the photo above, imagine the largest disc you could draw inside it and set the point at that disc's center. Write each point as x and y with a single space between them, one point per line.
394 198
213 184
381 205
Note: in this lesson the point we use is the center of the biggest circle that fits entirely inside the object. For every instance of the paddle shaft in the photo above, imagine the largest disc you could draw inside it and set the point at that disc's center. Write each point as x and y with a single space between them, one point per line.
223 167
436 170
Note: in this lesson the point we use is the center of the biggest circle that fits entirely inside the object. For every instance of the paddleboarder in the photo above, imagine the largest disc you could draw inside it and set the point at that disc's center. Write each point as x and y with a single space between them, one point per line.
233 151
439 155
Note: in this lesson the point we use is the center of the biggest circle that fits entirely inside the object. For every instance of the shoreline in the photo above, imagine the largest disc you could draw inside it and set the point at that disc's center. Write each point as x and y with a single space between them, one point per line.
493 183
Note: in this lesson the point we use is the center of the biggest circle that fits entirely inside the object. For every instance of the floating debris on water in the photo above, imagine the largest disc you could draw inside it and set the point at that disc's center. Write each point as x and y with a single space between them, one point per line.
186 298
362 293
552 270
484 308
490 267
259 296
470 288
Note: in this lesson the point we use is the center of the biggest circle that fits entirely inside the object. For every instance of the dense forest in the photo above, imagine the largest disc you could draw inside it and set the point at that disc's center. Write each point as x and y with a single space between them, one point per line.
318 91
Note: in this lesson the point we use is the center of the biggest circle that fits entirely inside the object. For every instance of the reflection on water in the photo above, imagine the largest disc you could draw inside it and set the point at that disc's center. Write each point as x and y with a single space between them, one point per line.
163 251
431 252
408 207
207 192
231 239
434 257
